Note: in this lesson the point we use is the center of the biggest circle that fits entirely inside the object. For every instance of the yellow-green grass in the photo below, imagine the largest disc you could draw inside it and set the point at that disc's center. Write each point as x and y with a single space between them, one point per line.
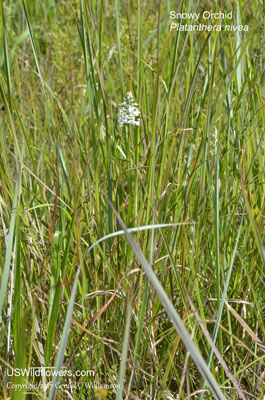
135 253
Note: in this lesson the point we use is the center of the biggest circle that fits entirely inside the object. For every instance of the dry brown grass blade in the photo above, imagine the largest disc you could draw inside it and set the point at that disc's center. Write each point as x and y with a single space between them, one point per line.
252 222
134 397
252 334
215 349
91 322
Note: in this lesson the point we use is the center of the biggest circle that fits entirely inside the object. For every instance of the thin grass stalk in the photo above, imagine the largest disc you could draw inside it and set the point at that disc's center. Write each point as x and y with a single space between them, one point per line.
119 47
119 395
139 89
62 347
6 54
150 204
32 41
217 233
9 301
208 131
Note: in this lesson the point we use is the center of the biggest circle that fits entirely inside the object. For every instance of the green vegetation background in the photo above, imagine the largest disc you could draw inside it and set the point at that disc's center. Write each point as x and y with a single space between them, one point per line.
197 159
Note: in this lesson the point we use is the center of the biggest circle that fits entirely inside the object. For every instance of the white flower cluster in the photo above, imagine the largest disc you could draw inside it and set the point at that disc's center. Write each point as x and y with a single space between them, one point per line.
128 113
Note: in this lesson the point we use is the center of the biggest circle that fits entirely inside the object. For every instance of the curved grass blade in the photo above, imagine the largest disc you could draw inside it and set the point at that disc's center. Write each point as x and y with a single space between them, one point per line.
173 315
136 229
60 356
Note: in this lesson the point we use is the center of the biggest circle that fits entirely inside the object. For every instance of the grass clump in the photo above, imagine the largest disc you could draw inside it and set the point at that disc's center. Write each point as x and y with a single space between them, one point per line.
133 253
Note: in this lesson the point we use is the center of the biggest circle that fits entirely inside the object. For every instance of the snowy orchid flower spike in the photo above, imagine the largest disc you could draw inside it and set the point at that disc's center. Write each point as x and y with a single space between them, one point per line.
128 112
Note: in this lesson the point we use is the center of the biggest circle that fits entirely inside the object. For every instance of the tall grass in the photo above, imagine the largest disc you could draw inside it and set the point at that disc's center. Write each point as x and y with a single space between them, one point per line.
132 253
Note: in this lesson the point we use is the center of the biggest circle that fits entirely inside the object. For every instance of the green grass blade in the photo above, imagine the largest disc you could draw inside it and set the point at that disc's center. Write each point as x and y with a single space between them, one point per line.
8 253
119 46
65 333
253 224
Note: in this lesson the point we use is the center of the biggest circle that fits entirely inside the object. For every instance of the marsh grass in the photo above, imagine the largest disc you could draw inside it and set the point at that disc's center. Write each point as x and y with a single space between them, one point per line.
136 252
